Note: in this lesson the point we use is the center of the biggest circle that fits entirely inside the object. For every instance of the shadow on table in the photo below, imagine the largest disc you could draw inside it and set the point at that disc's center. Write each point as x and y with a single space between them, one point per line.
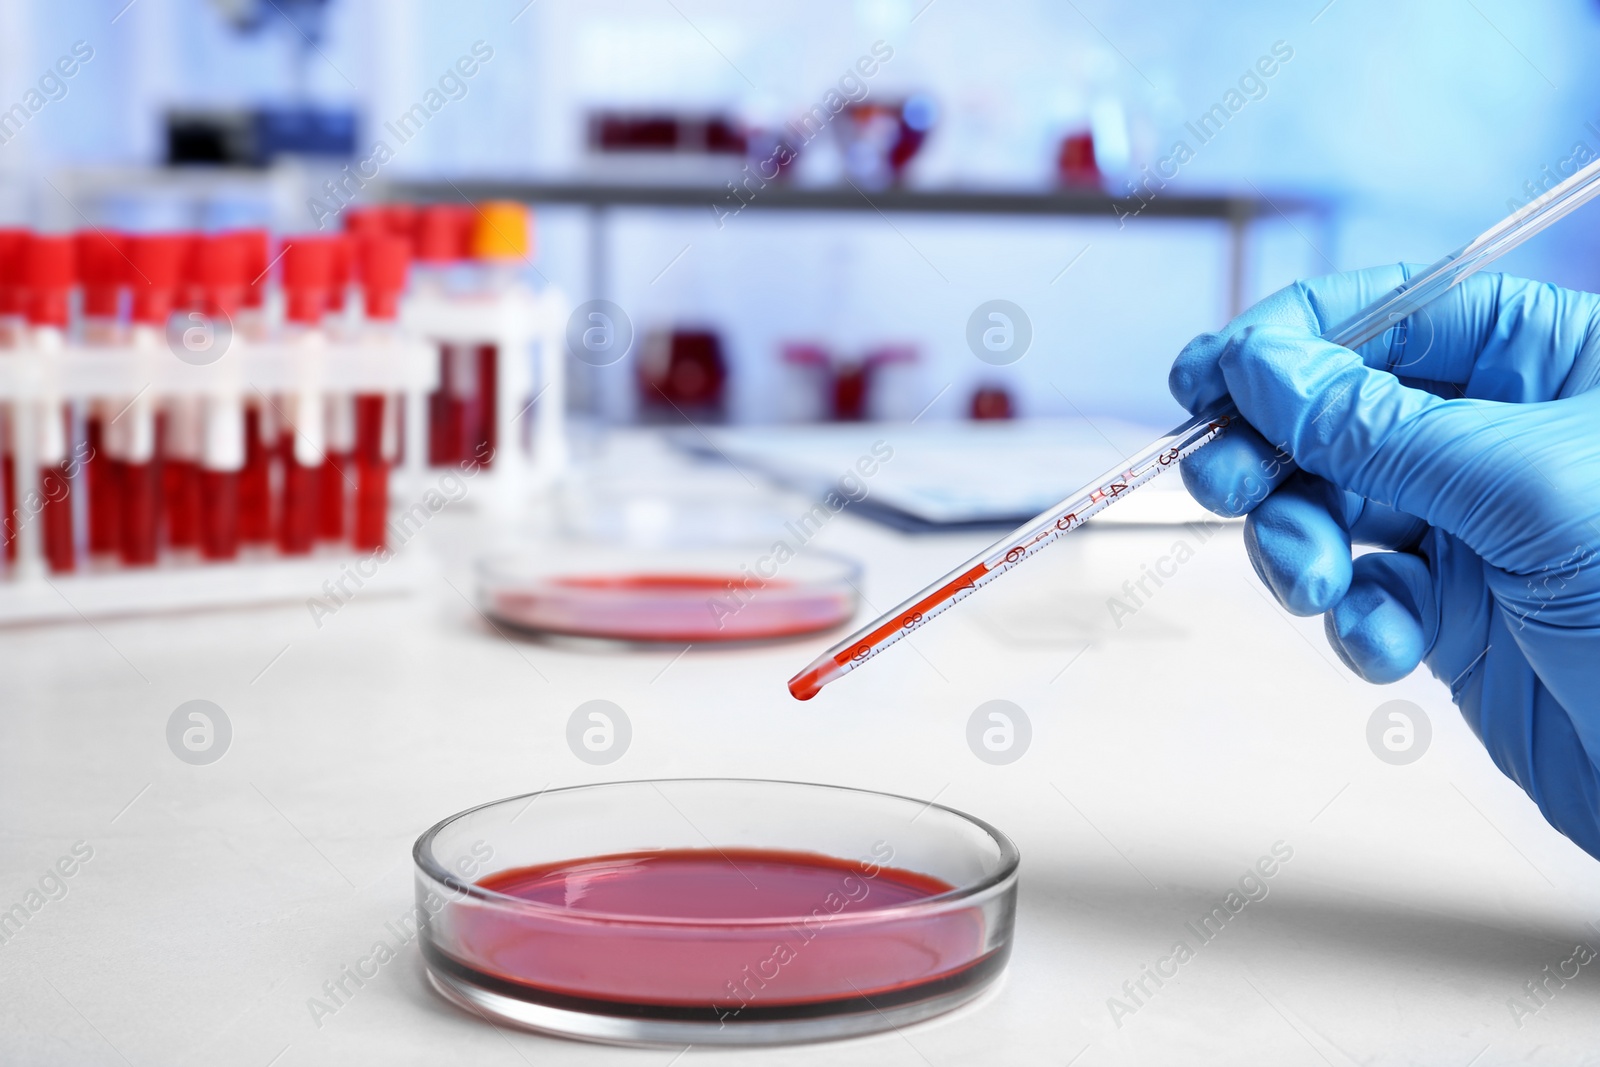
1317 920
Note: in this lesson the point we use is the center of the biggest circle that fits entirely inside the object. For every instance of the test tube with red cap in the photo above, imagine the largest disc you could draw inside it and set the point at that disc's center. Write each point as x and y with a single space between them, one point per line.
260 417
383 261
13 328
102 272
442 234
49 269
156 262
307 273
180 419
338 408
220 273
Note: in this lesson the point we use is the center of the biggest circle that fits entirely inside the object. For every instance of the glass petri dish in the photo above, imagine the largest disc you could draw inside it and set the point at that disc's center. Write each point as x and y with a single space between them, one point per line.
713 911
667 596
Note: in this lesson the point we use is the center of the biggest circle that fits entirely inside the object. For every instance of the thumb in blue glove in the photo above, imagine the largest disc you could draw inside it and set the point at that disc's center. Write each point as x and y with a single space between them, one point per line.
1465 446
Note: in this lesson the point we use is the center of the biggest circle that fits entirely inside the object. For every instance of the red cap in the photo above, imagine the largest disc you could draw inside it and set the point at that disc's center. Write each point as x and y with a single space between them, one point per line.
13 244
442 233
219 271
384 261
340 265
103 270
189 294
156 259
401 220
364 221
307 274
48 271
253 250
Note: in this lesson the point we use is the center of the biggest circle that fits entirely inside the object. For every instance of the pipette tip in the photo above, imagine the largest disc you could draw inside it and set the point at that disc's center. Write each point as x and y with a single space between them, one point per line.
809 682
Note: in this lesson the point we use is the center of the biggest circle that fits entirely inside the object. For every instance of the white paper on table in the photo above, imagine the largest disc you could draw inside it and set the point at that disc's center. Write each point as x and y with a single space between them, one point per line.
953 473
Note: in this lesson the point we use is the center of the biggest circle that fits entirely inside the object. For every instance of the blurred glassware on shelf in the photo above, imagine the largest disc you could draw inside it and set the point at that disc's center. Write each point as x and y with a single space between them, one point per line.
682 374
845 388
1075 163
879 140
992 402
770 155
661 145
258 136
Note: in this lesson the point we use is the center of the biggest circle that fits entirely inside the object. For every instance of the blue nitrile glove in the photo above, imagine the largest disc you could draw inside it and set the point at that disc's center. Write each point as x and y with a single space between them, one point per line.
1468 446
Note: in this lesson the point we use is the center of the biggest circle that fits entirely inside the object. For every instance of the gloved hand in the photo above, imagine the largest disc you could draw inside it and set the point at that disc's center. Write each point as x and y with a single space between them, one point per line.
1468 446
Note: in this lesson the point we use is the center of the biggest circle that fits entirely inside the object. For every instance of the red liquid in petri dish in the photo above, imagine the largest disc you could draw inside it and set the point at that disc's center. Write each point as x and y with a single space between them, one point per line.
673 607
833 943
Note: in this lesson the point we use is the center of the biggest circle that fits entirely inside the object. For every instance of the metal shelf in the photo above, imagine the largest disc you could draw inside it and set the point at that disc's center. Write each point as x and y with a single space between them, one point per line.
1067 202
1236 211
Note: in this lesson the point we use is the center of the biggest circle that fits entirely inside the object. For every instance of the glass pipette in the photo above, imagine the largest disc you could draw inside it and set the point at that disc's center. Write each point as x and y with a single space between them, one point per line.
1164 453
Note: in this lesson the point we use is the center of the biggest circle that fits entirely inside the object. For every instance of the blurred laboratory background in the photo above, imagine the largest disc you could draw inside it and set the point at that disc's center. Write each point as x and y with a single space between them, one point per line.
1357 148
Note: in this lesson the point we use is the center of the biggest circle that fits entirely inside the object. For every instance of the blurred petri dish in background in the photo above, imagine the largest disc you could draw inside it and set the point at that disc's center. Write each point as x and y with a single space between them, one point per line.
674 596
713 911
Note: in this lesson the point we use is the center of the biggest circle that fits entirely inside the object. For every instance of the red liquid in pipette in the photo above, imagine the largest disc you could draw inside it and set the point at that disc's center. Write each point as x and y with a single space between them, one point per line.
809 683
825 947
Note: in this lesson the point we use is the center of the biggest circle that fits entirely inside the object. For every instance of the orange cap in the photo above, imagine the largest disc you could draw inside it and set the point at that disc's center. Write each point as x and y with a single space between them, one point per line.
502 229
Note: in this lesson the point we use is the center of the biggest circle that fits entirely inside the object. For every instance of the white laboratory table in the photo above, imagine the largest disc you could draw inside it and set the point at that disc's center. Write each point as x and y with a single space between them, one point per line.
1169 755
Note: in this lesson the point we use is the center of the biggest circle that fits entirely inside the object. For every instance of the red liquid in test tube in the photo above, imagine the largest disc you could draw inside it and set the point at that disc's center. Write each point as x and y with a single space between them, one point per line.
48 273
261 428
102 270
156 262
383 260
181 414
307 273
13 327
220 270
338 408
442 234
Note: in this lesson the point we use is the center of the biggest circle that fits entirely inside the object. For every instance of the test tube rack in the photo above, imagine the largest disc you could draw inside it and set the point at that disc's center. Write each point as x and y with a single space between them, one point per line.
256 372
526 329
